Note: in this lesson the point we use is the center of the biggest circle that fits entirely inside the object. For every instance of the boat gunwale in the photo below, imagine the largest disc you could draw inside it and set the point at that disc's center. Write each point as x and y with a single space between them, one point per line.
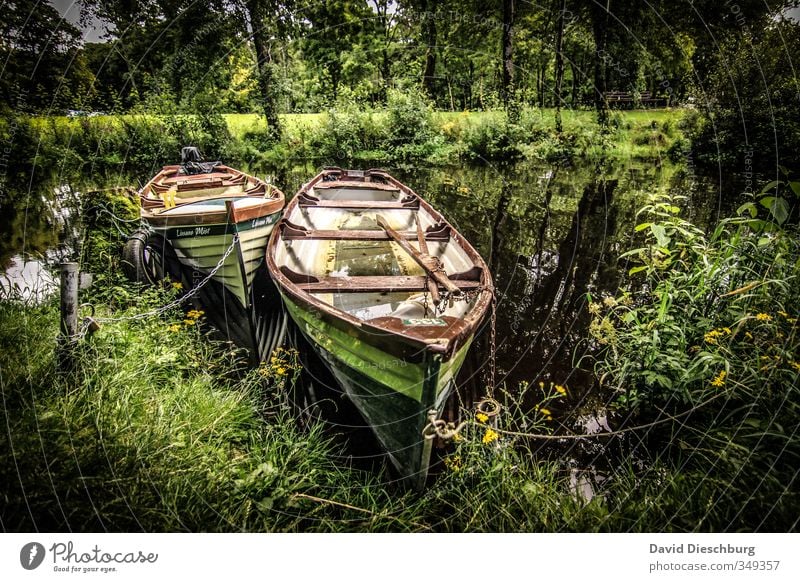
166 220
152 204
450 339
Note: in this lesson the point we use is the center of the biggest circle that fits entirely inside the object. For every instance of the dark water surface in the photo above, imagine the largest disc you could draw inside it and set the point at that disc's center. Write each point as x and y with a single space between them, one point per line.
550 234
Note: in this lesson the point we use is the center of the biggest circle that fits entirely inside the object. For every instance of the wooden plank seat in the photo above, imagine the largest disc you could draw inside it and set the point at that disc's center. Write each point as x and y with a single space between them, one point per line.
366 183
289 231
374 284
305 200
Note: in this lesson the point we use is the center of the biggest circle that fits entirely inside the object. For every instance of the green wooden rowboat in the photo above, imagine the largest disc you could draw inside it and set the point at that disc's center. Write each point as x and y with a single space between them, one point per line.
202 216
388 293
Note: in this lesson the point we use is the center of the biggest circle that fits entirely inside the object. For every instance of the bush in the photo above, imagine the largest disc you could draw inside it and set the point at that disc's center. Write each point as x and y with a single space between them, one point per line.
347 132
410 128
711 336
750 115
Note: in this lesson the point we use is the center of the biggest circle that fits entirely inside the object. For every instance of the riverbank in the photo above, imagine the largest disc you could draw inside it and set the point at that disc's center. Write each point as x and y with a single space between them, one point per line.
406 132
158 428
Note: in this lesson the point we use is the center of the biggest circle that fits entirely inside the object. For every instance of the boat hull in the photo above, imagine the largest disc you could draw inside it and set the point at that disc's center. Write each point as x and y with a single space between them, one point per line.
200 248
392 392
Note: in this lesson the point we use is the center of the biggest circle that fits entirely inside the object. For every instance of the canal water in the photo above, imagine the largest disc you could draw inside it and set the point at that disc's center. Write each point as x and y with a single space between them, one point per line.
551 234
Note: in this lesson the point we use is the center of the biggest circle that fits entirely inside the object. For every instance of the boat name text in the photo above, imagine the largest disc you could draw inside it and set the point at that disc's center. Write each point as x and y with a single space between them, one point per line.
196 231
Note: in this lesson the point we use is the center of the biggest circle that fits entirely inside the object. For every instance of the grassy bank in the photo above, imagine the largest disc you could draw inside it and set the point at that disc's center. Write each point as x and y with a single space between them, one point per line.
406 132
158 428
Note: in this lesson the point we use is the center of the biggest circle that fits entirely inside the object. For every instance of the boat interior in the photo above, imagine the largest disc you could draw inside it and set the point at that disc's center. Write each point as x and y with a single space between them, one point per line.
333 245
171 188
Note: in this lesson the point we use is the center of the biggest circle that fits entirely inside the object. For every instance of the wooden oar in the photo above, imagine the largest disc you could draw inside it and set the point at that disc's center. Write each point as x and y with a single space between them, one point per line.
428 263
433 289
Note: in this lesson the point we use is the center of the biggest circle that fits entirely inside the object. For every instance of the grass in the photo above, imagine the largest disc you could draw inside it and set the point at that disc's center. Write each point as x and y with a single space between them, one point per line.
158 428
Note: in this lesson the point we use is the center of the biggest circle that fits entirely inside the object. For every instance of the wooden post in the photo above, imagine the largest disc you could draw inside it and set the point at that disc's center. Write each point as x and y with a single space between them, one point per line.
69 314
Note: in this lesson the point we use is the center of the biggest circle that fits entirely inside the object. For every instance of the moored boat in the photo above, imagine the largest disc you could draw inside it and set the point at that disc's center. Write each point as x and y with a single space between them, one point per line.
205 220
389 295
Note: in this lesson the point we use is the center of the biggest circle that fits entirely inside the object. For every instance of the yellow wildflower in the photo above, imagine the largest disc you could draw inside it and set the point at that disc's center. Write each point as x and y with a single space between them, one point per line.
189 322
481 417
594 308
175 327
560 389
177 286
544 411
719 379
490 436
763 317
281 371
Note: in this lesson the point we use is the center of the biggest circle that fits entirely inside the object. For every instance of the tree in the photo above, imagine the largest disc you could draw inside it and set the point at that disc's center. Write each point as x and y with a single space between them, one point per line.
41 66
332 29
429 36
507 52
257 16
560 62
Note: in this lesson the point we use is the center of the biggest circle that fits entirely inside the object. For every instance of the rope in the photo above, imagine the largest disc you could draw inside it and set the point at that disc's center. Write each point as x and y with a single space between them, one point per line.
668 418
446 430
172 304
101 209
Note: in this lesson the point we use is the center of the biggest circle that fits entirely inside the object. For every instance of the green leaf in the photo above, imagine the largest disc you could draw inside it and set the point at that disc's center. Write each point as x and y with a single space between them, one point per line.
660 233
641 227
778 207
635 270
780 210
769 186
795 186
748 207
632 252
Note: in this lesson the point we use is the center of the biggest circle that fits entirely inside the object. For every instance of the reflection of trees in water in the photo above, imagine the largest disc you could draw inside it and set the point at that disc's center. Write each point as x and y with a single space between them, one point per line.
545 291
27 225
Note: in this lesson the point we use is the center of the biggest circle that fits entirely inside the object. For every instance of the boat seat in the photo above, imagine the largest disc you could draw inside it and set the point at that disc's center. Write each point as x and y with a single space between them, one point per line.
289 231
372 283
306 200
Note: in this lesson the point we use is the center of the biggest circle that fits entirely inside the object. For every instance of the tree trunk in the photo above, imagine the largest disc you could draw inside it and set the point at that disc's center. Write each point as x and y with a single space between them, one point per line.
429 32
599 15
382 7
255 12
507 48
559 64
575 77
